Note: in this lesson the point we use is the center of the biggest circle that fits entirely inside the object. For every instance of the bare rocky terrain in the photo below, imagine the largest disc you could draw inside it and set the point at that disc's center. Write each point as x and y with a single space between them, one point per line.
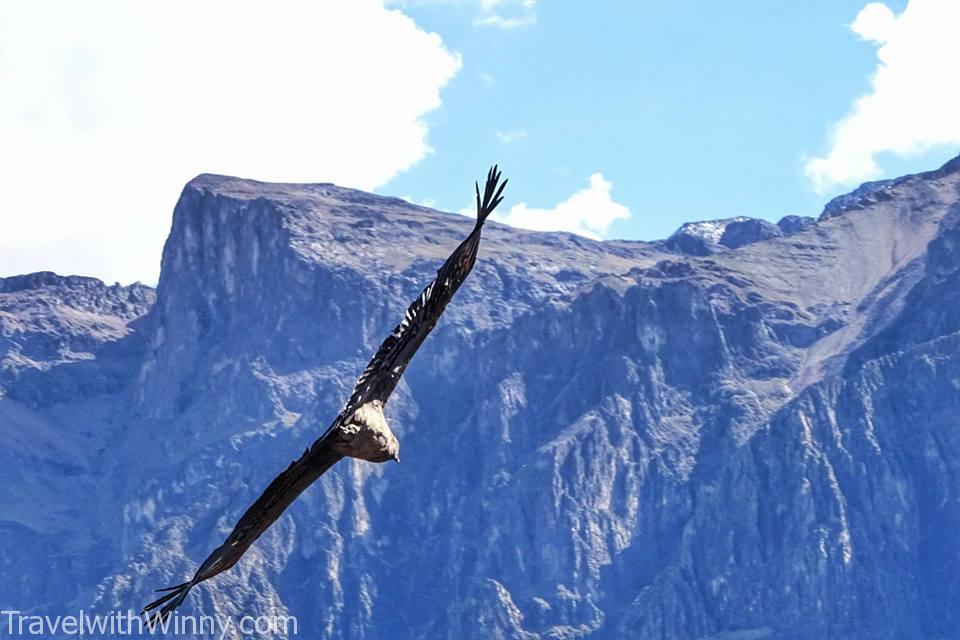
748 430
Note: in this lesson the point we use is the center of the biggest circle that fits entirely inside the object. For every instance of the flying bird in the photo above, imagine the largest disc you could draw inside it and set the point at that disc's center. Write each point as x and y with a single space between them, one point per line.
361 429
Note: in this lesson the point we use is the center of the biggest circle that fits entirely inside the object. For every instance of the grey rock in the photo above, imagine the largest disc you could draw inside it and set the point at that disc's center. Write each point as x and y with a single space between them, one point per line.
49 321
871 193
712 236
744 232
601 439
700 238
790 225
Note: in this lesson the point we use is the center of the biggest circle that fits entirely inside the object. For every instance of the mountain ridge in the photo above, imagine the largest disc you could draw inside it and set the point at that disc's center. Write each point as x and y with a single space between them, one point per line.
601 439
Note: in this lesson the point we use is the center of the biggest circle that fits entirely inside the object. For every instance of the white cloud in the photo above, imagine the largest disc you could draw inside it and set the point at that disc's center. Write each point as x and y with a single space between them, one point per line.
487 81
427 202
503 14
109 108
506 137
914 101
876 22
507 14
588 212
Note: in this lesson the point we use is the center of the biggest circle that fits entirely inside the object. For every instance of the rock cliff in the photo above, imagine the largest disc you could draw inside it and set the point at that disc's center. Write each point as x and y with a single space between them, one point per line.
746 433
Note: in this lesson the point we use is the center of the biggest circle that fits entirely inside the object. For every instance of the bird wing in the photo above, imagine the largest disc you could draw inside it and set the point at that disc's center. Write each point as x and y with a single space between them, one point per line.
264 512
387 366
377 382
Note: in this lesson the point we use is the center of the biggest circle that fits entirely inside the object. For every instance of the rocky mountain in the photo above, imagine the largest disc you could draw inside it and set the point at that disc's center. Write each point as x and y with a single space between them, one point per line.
710 236
756 438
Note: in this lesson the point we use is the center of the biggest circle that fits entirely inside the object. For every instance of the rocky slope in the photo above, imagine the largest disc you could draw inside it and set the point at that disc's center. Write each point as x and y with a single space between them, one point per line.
600 440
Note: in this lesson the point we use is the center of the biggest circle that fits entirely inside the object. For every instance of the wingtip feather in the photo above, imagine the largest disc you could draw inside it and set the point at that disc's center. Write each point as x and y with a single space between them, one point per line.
171 601
492 191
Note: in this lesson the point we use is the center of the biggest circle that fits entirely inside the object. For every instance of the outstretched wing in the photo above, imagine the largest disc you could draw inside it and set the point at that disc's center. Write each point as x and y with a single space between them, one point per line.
383 372
264 512
376 382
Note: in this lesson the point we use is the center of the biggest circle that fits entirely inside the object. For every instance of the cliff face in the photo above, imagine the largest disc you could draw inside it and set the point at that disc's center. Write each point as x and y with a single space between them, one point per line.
600 439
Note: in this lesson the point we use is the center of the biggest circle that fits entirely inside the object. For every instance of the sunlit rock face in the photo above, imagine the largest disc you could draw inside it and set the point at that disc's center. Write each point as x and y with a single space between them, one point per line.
711 236
600 439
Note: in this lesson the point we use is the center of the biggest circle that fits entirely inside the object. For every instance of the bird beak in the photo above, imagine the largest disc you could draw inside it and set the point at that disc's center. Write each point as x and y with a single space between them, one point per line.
396 458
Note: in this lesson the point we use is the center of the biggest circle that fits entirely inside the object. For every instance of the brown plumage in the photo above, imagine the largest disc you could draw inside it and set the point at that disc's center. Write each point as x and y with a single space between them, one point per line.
360 430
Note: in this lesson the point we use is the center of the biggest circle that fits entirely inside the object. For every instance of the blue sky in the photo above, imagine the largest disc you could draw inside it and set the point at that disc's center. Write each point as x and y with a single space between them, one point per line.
612 119
691 110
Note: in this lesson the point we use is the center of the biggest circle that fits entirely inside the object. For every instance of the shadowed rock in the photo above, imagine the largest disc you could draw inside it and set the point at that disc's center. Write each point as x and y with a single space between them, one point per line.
601 439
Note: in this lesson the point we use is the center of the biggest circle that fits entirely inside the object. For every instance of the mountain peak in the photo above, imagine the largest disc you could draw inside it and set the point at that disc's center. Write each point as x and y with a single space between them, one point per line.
711 236
584 420
42 279
879 191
